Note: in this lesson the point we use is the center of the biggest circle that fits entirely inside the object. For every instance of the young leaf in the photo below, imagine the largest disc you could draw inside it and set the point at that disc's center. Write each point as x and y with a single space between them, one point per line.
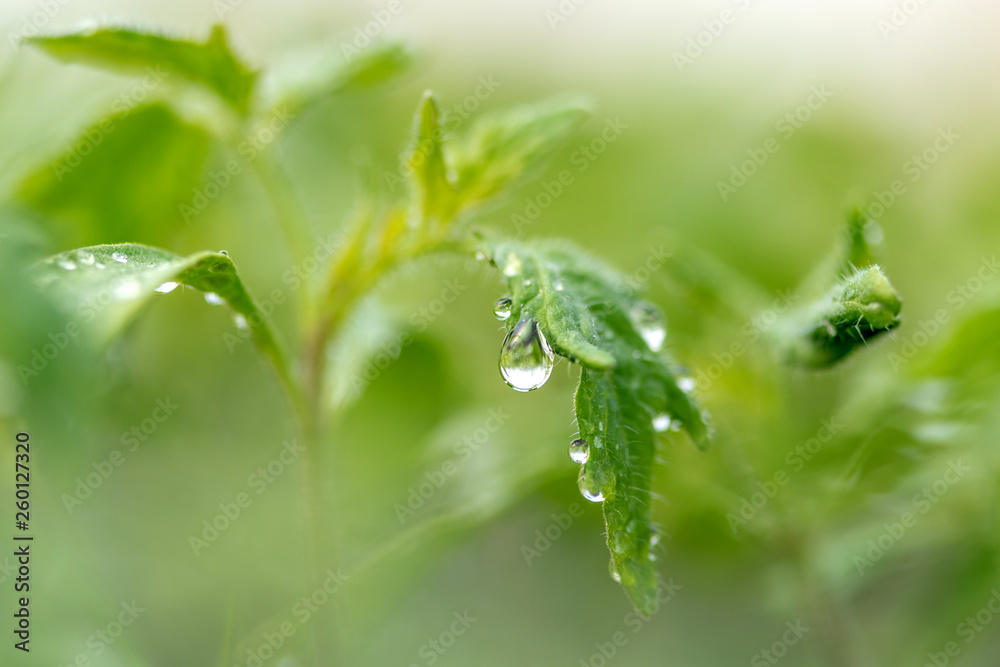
858 309
211 64
861 305
433 193
628 390
105 286
502 148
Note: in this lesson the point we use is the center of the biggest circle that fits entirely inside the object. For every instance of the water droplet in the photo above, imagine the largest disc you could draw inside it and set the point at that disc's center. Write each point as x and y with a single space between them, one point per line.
127 289
85 257
589 489
119 257
649 322
223 252
66 263
240 322
559 286
481 256
512 266
502 308
661 422
579 451
654 540
686 383
872 232
98 265
213 299
166 288
613 571
526 359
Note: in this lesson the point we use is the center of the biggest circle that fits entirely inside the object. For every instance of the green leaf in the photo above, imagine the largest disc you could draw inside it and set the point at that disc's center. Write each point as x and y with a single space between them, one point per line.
211 64
310 76
433 193
592 317
373 67
856 310
503 148
125 177
861 305
103 287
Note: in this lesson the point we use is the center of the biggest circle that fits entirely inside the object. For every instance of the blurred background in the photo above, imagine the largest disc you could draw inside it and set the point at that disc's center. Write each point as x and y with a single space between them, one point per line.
880 547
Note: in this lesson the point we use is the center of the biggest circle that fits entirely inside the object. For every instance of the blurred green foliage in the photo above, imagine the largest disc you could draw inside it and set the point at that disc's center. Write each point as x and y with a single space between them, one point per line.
830 498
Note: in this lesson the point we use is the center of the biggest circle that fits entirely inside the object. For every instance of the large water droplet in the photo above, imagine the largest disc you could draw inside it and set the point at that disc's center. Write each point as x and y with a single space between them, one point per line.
579 451
166 288
613 571
649 322
119 257
589 488
661 422
502 308
213 299
67 264
526 359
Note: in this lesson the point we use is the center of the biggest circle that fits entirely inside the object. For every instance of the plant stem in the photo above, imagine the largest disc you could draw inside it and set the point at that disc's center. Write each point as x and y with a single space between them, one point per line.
833 627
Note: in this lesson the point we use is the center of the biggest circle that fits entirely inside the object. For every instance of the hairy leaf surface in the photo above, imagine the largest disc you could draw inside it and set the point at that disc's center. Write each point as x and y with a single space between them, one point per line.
591 316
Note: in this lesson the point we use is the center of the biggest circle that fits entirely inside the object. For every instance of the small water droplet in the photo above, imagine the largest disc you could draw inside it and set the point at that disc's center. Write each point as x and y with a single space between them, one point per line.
589 489
654 540
526 359
223 252
66 263
661 422
579 451
512 266
481 256
527 283
213 299
686 383
85 257
98 265
613 571
559 286
240 322
166 288
649 322
119 257
502 308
